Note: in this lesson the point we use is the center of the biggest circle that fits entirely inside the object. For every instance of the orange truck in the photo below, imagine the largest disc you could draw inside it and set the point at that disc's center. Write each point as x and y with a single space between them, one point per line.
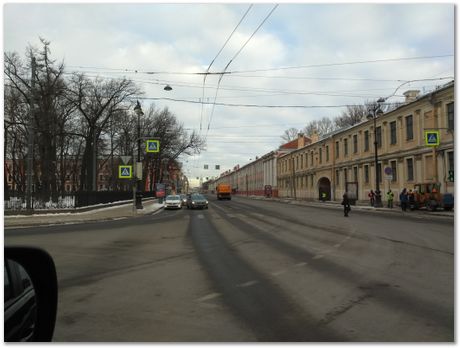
224 191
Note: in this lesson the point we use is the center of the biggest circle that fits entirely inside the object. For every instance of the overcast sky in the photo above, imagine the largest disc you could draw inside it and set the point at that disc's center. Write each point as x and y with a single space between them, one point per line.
324 50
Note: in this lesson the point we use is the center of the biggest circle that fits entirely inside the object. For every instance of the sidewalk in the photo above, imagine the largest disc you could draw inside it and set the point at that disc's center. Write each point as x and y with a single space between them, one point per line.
101 214
362 207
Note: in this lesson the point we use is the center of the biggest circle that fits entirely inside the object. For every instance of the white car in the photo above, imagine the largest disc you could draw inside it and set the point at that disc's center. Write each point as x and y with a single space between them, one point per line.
173 201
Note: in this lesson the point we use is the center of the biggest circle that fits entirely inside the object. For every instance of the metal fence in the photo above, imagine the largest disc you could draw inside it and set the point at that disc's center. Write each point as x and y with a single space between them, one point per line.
73 200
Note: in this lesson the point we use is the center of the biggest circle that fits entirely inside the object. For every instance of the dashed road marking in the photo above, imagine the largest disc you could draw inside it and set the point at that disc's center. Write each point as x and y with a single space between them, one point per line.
200 216
337 245
249 283
300 264
209 297
316 257
277 273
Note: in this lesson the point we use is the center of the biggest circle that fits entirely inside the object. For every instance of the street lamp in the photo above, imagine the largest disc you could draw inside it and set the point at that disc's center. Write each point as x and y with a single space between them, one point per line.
374 112
139 113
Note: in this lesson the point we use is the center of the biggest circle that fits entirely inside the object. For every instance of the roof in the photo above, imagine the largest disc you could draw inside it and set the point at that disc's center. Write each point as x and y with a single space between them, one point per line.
293 144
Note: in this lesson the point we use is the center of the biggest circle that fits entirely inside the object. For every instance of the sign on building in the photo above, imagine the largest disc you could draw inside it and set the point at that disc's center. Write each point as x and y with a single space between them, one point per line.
152 146
432 138
125 172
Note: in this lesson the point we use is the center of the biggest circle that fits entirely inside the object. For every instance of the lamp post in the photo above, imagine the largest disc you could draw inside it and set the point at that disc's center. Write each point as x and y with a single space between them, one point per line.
139 113
374 112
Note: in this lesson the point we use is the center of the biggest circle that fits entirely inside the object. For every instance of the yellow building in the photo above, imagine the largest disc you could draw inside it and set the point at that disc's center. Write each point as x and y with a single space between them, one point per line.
346 158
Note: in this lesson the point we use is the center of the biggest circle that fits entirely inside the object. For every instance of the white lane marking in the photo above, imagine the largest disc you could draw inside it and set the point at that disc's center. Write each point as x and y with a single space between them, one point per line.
209 297
200 216
318 257
337 245
300 264
277 273
249 283
231 216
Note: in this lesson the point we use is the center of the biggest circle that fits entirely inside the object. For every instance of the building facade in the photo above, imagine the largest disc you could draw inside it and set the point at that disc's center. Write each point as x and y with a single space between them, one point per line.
346 158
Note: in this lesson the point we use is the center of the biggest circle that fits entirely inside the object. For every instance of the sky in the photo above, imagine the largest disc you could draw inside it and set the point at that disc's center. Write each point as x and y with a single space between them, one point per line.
287 65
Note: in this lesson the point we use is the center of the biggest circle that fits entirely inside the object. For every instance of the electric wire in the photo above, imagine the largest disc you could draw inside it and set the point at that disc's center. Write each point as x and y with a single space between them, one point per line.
231 60
217 55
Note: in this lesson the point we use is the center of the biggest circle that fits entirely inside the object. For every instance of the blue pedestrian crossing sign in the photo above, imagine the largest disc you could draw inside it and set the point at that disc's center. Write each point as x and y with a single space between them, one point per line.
432 138
153 146
125 172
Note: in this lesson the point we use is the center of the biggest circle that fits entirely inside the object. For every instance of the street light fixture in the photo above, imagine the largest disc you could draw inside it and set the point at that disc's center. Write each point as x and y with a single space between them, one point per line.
138 184
139 113
374 112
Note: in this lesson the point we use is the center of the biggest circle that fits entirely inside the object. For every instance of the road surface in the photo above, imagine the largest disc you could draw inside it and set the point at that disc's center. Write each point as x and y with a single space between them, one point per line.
247 270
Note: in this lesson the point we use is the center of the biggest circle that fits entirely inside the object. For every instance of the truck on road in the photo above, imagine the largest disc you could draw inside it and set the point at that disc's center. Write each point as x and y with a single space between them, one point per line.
224 191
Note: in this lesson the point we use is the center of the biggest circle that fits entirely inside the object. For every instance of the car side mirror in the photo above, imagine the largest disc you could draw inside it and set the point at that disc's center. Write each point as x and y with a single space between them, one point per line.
30 296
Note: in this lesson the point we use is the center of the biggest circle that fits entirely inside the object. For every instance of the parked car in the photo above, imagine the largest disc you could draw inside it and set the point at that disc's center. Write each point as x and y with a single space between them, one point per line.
173 201
196 200
183 199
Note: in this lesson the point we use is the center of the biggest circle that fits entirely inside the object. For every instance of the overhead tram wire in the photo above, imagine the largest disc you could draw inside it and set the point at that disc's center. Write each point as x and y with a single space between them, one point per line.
230 62
217 55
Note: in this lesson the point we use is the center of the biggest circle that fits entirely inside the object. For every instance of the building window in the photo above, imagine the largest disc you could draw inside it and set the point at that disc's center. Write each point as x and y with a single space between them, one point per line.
410 169
355 174
450 116
355 143
101 177
345 175
306 160
366 140
336 149
297 163
327 153
311 158
393 132
301 161
320 155
337 177
378 136
67 188
345 147
394 171
366 174
311 180
409 127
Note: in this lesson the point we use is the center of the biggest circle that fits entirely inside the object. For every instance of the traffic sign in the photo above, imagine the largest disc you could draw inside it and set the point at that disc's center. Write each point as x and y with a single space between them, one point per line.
125 172
432 138
388 171
152 146
125 159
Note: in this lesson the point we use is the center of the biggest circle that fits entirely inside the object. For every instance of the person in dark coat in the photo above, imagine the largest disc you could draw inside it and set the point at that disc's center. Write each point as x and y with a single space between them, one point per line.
346 205
403 199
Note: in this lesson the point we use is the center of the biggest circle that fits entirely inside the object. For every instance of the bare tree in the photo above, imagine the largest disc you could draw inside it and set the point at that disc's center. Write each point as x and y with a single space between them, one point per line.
96 101
353 115
290 134
47 93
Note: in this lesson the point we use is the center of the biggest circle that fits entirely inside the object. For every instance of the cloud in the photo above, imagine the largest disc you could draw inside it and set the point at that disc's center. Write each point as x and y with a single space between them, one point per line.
186 37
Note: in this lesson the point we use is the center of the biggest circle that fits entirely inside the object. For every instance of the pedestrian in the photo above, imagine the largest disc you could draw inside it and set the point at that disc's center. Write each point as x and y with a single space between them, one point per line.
411 198
403 199
323 196
346 205
371 196
390 197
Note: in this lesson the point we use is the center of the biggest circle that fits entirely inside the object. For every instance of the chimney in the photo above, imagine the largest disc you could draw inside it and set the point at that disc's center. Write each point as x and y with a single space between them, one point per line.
411 95
300 140
314 137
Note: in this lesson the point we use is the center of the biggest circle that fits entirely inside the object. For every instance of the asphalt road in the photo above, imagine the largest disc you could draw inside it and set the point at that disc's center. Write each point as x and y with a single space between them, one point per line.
247 270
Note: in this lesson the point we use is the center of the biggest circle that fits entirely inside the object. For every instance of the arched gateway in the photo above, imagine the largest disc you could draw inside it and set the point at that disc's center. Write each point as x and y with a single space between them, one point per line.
324 186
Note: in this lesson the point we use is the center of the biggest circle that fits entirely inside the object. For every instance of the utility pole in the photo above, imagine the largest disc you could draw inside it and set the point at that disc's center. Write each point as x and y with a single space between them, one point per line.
30 145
